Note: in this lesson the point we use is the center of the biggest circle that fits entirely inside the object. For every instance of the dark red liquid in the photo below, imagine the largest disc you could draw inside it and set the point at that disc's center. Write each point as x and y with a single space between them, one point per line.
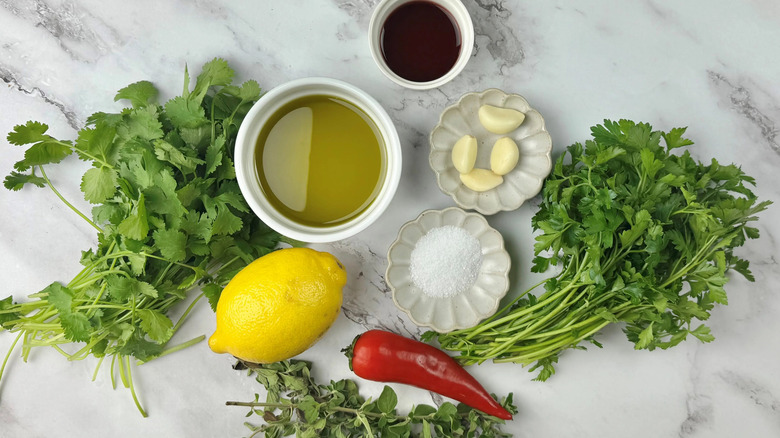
420 41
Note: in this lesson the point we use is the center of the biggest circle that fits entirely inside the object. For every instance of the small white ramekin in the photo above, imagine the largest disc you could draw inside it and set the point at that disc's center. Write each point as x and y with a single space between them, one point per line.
246 172
465 26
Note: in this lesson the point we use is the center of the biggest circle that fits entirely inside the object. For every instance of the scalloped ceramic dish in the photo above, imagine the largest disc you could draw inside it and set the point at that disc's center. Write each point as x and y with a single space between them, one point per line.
533 140
463 310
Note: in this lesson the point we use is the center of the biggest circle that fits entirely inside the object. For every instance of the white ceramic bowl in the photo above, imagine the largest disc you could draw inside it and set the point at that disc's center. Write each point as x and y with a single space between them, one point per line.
463 310
533 140
465 26
246 172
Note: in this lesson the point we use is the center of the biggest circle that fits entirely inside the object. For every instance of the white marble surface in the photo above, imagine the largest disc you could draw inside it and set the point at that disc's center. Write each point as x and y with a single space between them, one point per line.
713 66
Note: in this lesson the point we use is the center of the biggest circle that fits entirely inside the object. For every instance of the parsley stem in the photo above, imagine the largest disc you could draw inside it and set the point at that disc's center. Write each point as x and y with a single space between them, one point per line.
76 210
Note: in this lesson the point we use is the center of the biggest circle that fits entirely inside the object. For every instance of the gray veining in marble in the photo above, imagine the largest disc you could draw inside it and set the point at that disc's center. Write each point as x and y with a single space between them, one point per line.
711 66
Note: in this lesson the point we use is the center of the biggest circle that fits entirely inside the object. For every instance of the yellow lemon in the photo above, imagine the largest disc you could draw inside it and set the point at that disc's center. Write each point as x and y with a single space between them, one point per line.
279 305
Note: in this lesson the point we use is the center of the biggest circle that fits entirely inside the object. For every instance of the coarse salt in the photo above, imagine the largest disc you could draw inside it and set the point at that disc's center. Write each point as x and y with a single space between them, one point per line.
445 261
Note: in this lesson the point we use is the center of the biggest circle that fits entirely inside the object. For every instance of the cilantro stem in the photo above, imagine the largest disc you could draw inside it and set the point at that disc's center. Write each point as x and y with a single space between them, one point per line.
122 375
97 367
76 210
187 312
56 339
61 351
174 349
105 285
132 387
102 162
81 354
8 355
111 371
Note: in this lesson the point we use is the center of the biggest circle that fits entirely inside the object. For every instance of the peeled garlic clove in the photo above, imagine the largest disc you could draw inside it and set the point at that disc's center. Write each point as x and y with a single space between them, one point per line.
481 180
499 120
464 153
504 156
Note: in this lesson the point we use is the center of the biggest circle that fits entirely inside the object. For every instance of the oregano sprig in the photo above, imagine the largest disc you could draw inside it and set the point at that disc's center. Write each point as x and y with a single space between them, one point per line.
296 404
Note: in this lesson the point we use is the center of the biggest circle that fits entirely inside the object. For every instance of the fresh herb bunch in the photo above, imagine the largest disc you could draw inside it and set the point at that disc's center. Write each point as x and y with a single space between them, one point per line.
643 237
169 218
297 405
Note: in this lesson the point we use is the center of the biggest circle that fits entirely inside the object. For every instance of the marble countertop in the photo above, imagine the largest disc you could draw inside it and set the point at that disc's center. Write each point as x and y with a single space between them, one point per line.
712 66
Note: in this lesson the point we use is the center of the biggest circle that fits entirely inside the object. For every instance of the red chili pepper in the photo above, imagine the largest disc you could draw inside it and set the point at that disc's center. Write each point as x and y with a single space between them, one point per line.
386 357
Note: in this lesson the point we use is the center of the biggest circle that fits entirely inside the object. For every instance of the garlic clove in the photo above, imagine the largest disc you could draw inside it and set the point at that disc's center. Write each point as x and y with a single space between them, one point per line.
464 154
499 120
481 180
504 156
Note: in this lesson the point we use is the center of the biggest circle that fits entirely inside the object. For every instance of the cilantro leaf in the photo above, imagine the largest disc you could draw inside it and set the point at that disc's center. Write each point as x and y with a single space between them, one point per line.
30 132
7 304
214 73
122 289
15 180
165 169
76 326
136 225
99 184
60 297
139 94
172 244
158 326
140 348
142 123
214 154
97 144
44 152
250 91
167 152
212 293
185 113
226 222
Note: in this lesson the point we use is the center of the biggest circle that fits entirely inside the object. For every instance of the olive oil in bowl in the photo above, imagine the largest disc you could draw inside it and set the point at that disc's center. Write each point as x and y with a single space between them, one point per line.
320 160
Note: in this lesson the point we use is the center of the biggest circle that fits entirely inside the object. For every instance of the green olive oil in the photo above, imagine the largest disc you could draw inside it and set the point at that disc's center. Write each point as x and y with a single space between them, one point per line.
320 160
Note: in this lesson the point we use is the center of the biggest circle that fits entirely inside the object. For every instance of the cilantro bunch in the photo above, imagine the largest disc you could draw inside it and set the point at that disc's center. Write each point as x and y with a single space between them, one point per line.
642 237
169 218
297 405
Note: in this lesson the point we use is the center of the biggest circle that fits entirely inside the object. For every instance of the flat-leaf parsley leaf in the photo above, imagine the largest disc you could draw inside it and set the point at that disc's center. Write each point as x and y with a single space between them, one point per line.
644 237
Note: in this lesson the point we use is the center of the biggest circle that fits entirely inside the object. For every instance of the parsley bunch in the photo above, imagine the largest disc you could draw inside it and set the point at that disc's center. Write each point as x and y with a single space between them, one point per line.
169 218
643 236
297 405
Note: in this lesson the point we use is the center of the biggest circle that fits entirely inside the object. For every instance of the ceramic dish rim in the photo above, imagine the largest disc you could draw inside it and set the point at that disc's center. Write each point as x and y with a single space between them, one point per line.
501 247
501 207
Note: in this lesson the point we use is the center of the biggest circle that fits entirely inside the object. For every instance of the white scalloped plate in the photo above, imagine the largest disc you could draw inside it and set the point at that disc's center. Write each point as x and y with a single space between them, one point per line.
466 309
522 183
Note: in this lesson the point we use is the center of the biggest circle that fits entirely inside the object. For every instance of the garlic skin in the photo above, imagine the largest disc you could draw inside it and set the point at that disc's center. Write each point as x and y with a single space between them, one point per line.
504 156
500 120
464 154
481 180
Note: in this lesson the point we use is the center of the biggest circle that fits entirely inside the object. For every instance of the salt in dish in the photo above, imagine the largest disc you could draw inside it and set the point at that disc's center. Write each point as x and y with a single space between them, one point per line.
446 308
